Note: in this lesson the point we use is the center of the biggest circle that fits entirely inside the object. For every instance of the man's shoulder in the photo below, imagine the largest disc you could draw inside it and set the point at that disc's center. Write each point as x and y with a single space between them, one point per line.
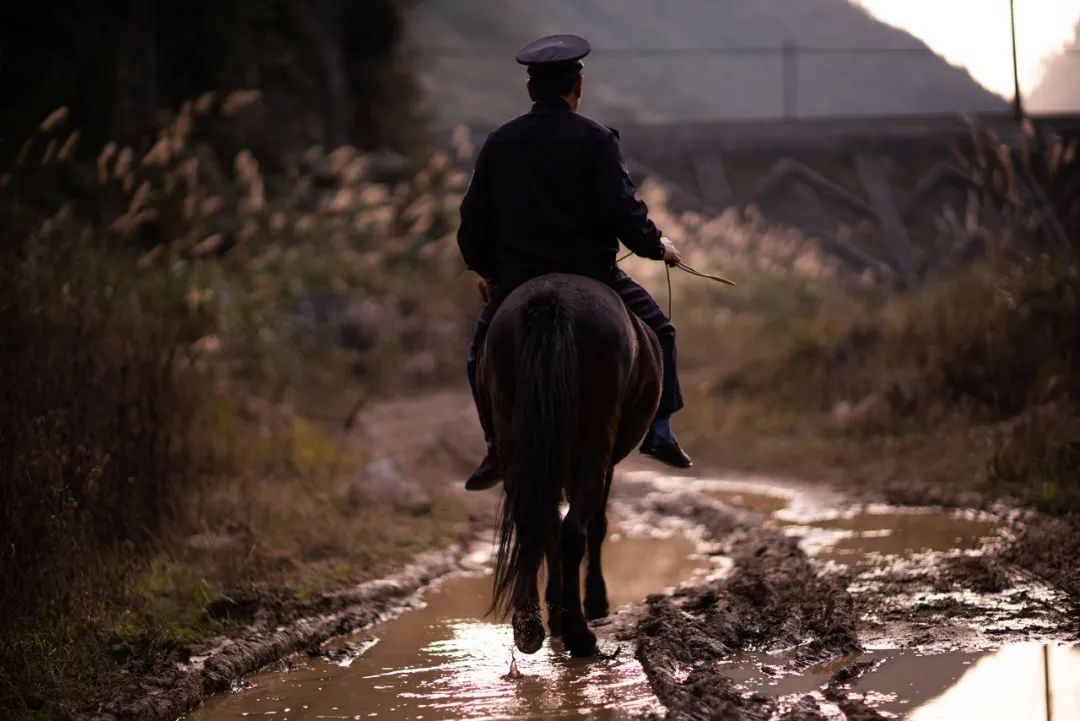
571 124
505 133
595 128
510 125
572 118
585 134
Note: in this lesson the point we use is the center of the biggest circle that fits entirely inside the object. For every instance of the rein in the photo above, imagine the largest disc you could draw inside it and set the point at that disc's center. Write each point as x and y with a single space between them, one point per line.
684 267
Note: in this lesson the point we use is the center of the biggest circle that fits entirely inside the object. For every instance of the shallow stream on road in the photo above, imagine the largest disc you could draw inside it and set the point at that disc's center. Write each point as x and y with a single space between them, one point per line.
444 660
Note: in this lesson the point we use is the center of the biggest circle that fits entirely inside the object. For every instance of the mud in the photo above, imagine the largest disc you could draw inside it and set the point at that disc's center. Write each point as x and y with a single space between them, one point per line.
446 660
812 608
183 681
1047 550
1009 683
773 599
852 614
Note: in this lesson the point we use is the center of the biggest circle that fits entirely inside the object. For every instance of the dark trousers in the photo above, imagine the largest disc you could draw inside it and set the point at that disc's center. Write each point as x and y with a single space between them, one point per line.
639 302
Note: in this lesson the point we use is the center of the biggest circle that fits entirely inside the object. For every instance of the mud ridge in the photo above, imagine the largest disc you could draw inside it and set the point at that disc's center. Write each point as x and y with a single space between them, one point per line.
1045 549
774 598
1048 551
176 687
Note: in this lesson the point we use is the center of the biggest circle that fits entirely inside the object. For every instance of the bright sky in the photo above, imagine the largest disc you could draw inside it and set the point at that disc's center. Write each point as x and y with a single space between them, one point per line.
975 34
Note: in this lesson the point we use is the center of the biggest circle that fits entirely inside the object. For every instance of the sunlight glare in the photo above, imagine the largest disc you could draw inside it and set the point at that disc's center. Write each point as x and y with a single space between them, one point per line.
974 34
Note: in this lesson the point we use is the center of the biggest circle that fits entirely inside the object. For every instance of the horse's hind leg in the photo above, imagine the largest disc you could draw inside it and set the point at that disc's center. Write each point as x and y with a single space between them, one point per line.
579 640
596 600
553 594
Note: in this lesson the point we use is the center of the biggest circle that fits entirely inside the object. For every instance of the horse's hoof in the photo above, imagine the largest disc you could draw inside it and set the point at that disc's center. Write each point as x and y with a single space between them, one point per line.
594 611
528 632
581 642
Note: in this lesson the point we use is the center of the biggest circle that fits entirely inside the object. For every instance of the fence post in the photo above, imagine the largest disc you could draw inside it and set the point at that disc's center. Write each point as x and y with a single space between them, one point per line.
1018 104
789 55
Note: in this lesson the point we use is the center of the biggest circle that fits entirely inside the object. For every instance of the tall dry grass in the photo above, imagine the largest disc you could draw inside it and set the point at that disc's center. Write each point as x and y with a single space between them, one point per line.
975 372
164 314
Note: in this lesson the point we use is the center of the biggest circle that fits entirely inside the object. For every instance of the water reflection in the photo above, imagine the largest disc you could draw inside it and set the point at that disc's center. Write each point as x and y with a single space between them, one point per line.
863 531
892 532
445 662
1009 684
1022 682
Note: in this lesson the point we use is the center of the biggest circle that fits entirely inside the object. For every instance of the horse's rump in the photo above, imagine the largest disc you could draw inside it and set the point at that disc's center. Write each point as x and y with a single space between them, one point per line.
618 358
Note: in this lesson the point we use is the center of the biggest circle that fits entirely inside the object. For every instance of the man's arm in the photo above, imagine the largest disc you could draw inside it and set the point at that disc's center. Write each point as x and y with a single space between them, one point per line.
627 213
476 238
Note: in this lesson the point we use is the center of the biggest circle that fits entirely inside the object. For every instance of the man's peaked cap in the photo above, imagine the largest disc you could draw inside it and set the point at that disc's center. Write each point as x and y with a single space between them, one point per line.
554 52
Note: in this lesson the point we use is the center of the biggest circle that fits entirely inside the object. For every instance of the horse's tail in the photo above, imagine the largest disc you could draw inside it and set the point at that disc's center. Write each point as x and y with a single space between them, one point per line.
545 424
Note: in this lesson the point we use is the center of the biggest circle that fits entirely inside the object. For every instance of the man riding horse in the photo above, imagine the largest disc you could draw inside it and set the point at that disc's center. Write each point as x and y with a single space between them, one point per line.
550 194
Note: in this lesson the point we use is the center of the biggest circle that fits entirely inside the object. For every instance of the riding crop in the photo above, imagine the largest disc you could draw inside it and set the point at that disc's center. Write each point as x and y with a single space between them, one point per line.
684 267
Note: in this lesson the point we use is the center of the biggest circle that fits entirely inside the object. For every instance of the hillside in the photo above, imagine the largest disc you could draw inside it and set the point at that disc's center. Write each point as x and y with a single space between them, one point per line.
483 85
1058 91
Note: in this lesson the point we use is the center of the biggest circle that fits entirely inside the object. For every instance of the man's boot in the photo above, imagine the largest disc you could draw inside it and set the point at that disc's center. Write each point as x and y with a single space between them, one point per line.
486 475
661 444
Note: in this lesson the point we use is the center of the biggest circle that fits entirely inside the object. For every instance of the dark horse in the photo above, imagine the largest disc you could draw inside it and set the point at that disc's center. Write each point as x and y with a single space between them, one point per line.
570 380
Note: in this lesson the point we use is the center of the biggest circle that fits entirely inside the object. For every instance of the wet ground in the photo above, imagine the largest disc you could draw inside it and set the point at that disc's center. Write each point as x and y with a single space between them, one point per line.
446 661
943 629
794 605
1009 684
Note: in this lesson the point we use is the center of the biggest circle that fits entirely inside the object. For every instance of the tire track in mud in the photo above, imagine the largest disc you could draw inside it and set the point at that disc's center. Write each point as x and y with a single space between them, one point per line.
217 665
780 604
433 436
773 598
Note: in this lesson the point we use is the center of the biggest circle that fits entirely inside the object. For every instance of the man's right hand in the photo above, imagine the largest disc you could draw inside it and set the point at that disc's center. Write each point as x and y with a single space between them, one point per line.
671 253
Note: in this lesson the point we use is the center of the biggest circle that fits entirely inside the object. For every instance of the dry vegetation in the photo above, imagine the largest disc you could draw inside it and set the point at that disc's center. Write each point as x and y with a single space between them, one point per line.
969 382
187 342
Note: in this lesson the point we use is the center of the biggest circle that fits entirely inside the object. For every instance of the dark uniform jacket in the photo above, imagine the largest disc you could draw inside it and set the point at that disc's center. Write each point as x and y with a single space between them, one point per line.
550 194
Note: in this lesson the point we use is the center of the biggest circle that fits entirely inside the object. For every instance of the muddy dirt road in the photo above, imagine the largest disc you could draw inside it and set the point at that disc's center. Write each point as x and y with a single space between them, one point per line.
738 599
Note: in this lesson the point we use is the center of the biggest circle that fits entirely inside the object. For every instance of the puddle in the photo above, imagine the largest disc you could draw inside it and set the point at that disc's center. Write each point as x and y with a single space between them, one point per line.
1009 684
862 532
884 531
763 503
444 661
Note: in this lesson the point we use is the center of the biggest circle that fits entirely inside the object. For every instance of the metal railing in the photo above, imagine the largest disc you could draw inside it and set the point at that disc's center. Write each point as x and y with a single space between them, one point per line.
789 54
